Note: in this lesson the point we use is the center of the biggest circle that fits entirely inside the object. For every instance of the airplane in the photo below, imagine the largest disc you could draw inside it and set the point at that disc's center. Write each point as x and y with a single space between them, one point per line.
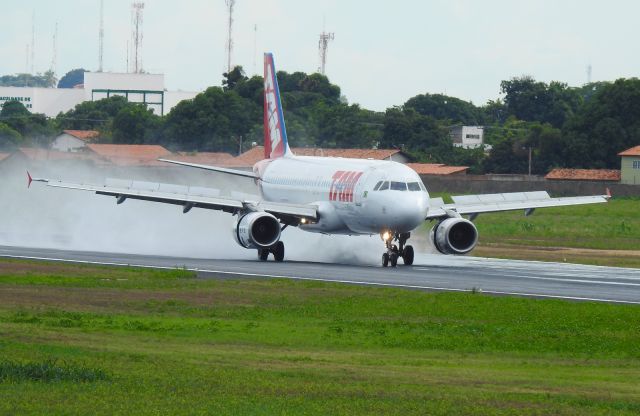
332 196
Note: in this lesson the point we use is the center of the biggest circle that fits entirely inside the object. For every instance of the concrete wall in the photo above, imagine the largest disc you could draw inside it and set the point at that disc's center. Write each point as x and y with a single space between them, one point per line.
479 184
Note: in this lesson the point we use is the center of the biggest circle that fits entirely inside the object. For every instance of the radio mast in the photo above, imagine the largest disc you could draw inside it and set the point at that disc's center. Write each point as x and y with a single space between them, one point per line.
136 34
230 5
323 45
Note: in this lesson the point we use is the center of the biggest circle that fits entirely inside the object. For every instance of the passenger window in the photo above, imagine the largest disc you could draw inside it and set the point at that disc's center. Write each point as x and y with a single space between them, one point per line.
377 186
414 186
384 186
398 186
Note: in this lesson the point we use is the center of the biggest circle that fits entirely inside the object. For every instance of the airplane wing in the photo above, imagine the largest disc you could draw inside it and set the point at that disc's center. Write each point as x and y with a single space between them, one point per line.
473 205
188 197
244 173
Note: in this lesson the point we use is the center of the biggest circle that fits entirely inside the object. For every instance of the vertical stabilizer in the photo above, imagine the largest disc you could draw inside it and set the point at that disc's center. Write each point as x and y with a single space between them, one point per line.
275 133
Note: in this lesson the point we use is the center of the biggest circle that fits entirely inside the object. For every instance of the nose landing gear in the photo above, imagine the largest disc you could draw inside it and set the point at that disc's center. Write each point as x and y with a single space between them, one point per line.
394 252
277 250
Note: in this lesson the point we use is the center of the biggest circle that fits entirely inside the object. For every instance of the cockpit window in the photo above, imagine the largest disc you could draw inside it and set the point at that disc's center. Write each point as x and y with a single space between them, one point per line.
422 187
384 186
414 186
377 186
398 186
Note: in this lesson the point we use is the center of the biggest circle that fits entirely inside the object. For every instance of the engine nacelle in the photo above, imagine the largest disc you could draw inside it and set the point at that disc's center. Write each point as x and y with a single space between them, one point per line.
328 219
454 236
257 230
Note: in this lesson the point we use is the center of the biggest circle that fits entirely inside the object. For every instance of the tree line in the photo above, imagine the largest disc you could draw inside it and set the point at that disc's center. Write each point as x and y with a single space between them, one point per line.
562 126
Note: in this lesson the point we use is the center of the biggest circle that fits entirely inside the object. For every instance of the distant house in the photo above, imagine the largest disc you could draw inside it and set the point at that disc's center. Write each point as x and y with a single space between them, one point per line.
437 169
73 140
256 154
630 166
605 175
130 154
467 137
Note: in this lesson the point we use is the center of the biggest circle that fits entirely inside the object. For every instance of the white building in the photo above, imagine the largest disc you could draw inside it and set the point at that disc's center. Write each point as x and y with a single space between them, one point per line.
73 140
140 88
468 137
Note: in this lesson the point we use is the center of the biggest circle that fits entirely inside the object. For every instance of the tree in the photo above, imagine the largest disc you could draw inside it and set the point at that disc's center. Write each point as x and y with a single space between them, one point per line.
212 121
443 107
93 115
9 138
606 124
72 78
529 100
233 78
46 80
135 124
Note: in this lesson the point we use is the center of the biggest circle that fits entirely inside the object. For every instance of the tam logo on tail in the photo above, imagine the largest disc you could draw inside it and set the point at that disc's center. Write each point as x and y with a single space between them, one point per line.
275 133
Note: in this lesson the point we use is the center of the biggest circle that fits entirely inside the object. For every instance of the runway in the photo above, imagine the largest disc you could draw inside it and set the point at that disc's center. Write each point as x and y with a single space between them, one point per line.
429 272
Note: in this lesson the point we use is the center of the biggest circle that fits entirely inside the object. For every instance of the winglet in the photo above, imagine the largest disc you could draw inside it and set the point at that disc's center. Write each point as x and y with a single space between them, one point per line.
30 179
608 195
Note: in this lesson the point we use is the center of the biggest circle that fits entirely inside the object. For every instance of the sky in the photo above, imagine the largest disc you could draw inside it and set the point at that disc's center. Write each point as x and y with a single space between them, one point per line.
383 53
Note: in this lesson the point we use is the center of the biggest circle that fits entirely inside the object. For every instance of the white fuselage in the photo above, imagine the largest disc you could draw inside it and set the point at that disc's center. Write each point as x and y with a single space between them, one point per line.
346 193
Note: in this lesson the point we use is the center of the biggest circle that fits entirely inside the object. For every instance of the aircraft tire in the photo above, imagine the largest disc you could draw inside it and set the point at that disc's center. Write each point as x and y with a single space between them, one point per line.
278 251
385 260
393 259
407 255
263 254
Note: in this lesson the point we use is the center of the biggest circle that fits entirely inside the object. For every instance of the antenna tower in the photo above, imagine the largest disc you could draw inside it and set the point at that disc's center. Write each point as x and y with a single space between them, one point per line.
589 74
323 45
136 34
230 4
255 48
101 37
54 57
33 42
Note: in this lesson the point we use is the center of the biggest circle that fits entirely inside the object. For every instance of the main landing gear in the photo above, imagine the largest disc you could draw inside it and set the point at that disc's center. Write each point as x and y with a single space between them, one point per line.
277 250
390 257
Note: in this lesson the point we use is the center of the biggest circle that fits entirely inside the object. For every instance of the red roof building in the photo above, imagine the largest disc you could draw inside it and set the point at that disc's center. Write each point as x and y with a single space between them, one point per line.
130 154
437 169
612 175
256 154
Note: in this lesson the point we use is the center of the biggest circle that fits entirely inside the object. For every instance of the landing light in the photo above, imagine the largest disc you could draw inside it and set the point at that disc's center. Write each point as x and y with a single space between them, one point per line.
386 236
303 221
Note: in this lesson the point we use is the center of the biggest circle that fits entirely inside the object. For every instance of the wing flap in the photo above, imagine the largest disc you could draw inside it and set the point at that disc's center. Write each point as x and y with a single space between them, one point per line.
189 197
477 204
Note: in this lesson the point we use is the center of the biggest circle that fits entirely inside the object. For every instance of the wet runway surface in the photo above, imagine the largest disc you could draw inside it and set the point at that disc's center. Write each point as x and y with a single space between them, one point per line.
429 272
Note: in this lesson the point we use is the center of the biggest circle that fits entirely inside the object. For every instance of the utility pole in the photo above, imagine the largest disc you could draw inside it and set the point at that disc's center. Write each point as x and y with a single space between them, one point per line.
230 5
530 160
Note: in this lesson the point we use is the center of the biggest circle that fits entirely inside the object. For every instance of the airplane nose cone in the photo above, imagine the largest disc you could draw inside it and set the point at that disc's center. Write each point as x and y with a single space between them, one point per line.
407 212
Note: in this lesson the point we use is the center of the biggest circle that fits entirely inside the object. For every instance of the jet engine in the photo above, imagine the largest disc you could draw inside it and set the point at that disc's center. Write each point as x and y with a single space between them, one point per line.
257 230
454 236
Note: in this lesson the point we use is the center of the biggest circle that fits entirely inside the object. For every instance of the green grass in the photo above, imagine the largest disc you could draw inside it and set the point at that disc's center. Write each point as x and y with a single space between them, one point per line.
165 342
612 226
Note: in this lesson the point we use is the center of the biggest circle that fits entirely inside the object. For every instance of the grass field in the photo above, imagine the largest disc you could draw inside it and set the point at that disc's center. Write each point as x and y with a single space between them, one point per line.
97 340
614 227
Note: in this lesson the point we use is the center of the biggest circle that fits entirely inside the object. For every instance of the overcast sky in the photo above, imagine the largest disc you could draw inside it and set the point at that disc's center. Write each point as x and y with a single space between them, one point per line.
384 52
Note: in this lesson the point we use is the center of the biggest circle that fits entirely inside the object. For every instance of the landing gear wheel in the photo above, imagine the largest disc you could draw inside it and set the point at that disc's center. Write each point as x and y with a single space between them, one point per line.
385 260
278 251
393 258
263 254
407 255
